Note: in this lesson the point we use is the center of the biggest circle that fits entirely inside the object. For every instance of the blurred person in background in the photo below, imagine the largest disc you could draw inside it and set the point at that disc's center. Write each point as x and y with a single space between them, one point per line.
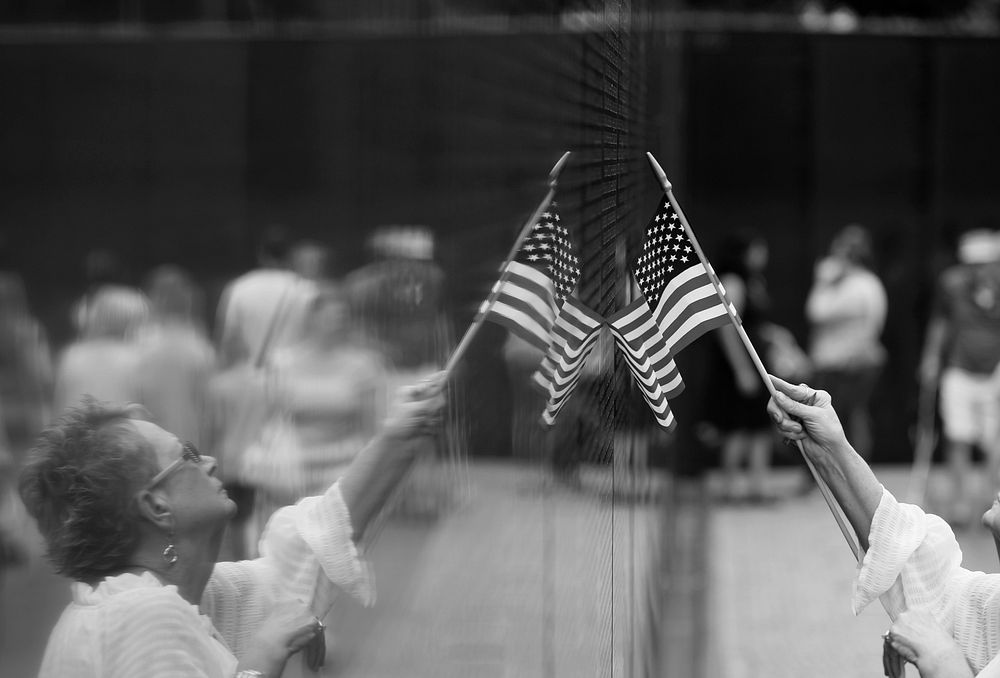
333 389
960 361
176 356
326 398
101 267
264 308
258 313
846 309
737 413
399 297
25 399
104 361
311 260
135 517
399 300
25 366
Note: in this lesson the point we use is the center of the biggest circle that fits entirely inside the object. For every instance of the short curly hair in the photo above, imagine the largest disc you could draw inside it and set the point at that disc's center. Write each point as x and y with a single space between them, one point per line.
79 483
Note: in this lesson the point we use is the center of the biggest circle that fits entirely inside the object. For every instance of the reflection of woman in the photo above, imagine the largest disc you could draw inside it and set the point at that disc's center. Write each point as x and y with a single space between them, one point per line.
136 518
332 387
912 559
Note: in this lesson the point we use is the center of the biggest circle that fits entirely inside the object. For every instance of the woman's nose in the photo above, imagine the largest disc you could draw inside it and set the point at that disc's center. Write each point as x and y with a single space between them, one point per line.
210 464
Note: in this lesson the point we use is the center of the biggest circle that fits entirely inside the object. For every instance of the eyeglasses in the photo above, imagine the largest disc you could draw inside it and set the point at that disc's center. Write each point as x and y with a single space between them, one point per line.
188 453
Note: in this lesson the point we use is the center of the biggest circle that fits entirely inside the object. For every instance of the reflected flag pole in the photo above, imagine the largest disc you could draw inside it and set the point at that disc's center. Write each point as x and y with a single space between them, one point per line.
484 309
738 324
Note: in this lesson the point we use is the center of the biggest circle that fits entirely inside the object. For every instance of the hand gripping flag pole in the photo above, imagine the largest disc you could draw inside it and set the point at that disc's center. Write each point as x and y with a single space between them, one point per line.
484 310
737 323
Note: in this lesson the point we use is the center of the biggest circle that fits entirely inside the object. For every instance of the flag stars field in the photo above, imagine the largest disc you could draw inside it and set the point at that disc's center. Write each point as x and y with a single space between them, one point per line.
537 303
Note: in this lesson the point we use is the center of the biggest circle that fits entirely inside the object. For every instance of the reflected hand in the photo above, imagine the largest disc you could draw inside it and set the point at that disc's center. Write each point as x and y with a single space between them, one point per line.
417 408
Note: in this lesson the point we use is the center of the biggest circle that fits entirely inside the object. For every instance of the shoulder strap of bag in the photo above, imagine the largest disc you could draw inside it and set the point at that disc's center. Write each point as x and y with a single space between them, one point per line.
272 327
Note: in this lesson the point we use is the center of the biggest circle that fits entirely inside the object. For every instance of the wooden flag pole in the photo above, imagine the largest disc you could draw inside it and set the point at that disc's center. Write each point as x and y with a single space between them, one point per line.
737 323
484 309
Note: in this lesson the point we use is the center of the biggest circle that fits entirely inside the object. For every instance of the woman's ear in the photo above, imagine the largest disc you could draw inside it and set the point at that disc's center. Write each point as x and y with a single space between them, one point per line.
155 508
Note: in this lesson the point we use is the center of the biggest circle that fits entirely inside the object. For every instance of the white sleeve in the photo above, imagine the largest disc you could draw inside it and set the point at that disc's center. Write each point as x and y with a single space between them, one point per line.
315 537
914 561
306 553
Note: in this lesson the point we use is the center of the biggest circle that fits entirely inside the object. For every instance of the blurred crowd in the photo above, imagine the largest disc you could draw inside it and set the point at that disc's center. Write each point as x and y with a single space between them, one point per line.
845 313
285 389
293 376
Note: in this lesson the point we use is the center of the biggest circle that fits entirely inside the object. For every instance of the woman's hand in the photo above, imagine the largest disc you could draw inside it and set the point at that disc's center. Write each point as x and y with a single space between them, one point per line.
417 408
919 639
803 413
288 628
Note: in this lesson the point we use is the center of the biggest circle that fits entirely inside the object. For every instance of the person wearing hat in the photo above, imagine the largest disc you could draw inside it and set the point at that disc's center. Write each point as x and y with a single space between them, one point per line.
961 356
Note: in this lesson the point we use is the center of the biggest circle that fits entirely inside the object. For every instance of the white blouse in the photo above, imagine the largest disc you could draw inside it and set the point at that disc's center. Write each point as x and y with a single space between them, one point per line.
914 561
132 626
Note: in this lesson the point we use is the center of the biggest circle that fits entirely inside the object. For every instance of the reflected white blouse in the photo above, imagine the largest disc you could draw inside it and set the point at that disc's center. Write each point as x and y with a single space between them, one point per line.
133 625
914 561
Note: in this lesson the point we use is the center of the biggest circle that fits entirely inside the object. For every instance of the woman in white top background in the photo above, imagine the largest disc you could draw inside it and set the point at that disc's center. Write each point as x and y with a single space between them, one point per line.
846 309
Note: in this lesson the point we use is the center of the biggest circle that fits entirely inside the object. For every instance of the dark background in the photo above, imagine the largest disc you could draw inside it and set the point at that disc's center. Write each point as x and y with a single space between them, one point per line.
180 147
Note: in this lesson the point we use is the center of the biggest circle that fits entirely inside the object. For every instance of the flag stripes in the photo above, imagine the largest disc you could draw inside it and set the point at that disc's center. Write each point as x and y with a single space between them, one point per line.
574 334
534 301
689 307
525 304
676 303
646 379
638 328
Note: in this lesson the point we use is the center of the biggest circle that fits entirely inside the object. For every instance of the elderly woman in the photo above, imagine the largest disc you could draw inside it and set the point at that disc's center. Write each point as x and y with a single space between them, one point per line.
947 618
135 516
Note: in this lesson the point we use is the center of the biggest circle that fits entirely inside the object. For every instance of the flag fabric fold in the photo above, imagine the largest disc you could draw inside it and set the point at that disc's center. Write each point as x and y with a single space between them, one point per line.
676 303
535 300
574 335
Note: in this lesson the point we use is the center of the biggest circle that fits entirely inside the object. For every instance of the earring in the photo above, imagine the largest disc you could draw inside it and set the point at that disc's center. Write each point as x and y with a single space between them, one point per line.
170 553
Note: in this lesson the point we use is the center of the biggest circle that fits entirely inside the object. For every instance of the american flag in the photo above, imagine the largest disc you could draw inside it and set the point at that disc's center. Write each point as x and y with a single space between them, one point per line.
534 301
543 272
574 334
676 304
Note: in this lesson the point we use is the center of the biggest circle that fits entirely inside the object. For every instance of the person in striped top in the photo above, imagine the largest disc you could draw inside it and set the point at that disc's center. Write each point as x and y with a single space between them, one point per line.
135 517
